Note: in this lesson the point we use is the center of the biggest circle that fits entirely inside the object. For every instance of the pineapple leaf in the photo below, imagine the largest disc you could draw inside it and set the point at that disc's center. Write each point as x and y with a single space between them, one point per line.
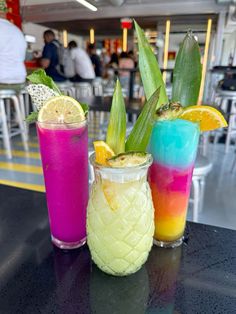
140 135
116 131
187 72
149 69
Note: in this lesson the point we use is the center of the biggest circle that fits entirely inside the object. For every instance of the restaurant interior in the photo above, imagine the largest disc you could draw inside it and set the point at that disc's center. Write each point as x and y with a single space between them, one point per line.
99 42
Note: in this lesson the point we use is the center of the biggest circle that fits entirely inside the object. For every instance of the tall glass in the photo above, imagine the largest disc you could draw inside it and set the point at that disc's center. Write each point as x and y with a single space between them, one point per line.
64 154
173 146
120 218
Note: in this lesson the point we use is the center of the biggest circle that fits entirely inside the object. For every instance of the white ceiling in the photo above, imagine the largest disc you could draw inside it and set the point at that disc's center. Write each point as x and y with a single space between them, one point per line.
61 10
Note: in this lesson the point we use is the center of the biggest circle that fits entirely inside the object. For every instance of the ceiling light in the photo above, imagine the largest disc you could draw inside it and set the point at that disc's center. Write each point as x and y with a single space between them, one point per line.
87 5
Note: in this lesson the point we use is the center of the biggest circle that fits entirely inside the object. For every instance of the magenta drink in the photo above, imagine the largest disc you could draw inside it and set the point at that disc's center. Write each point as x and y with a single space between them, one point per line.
64 153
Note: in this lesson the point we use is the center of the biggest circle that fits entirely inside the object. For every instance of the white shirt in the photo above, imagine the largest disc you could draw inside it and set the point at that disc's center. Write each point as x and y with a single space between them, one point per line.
83 65
12 53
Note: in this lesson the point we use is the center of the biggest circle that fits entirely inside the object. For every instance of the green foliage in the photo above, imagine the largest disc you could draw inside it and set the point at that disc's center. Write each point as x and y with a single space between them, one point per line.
32 117
187 72
149 69
40 77
116 131
85 108
140 135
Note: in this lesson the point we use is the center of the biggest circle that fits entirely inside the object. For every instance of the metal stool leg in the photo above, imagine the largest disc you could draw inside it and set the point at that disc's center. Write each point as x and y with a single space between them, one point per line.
234 163
20 121
228 136
23 113
202 183
196 197
6 136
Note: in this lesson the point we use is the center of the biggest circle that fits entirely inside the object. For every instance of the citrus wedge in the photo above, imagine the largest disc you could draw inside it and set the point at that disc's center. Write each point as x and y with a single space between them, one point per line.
102 152
61 109
208 117
129 159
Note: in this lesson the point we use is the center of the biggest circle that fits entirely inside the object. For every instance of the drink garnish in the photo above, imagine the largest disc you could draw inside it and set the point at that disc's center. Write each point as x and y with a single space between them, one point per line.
116 131
43 90
169 111
61 109
129 159
141 132
187 72
102 152
208 117
40 94
40 77
186 84
149 68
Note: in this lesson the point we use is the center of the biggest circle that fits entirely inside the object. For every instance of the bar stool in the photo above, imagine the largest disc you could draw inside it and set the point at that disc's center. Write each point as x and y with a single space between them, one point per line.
234 163
223 99
24 101
201 169
97 87
6 96
67 88
83 89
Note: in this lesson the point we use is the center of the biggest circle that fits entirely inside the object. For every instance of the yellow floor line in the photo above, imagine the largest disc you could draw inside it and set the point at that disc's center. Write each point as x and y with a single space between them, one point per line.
27 186
21 153
30 144
20 167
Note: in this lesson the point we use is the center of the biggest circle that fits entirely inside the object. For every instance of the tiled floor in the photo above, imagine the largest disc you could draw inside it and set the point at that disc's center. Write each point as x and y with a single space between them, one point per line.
219 208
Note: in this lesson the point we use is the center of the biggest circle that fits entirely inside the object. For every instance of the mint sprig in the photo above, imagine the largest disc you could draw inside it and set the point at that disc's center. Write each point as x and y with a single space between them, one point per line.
40 77
32 117
85 107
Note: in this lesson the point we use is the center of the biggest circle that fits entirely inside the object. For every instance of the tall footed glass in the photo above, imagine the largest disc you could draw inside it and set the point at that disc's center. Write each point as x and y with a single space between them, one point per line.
120 214
173 146
64 154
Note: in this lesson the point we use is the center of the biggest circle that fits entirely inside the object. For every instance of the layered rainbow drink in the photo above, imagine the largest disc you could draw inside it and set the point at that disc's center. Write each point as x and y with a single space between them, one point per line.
173 146
64 153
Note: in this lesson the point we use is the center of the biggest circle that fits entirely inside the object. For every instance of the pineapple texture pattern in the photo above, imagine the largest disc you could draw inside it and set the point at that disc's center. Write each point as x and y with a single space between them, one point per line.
120 225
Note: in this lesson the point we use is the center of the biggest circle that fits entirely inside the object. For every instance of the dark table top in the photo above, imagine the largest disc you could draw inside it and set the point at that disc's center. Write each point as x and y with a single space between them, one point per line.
223 69
35 277
99 103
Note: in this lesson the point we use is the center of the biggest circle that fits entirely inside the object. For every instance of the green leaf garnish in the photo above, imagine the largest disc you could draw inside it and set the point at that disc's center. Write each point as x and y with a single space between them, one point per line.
40 77
140 135
187 72
85 108
149 69
116 131
32 117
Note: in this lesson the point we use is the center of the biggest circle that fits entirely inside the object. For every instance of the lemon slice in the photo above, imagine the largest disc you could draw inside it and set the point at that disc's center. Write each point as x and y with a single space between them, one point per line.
61 109
130 159
102 152
208 117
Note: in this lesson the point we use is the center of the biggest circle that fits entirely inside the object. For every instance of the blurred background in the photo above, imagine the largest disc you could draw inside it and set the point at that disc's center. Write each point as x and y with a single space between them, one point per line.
85 46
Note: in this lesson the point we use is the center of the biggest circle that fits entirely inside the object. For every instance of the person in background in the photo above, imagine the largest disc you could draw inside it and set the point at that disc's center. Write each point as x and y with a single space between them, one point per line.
133 57
12 53
83 65
95 60
51 57
114 61
125 62
112 67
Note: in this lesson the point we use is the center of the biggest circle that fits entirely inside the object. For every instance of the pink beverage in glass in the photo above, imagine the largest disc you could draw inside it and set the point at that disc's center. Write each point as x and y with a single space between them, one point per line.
64 154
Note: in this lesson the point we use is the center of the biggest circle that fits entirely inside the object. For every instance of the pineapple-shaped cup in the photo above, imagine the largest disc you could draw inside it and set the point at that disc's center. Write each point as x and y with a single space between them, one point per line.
120 218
